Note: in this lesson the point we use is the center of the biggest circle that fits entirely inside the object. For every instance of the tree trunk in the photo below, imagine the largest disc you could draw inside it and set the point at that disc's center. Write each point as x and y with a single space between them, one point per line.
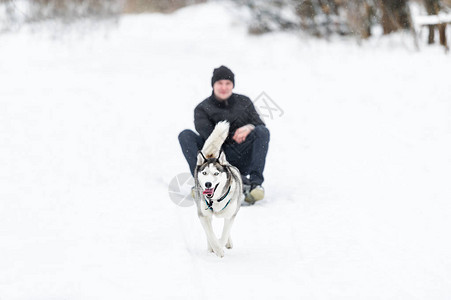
395 15
359 18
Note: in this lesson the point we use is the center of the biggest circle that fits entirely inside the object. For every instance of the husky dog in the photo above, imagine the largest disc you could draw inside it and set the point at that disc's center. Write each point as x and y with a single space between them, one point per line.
218 189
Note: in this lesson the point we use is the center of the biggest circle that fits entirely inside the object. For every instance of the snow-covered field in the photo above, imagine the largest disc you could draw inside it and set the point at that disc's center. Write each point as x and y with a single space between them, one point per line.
358 173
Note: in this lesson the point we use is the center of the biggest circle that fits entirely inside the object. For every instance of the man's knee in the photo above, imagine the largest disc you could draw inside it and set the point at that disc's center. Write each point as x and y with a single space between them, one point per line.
262 131
187 135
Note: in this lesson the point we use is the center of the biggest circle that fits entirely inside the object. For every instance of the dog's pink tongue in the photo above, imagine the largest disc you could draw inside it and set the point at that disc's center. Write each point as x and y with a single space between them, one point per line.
208 191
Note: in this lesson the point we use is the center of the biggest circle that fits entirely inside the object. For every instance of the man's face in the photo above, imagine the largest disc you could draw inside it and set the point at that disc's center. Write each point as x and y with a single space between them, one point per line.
223 89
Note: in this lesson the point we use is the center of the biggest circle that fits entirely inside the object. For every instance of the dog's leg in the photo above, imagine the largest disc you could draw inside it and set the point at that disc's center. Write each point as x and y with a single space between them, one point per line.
226 240
229 244
209 249
211 237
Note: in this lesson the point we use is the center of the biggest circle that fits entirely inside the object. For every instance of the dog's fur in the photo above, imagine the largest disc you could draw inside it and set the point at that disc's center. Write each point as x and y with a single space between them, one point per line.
214 178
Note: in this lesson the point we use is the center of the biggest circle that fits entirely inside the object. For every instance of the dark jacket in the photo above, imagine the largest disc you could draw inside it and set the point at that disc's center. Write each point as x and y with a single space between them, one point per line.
238 110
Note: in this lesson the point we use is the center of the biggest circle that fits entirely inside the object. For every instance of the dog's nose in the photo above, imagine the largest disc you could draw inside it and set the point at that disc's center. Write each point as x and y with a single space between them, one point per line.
208 185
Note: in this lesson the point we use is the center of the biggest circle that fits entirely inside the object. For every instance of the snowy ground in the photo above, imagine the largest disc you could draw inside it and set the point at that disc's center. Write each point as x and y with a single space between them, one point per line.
357 179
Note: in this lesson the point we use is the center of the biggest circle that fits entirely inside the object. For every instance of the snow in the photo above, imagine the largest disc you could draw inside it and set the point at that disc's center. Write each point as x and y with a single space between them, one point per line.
433 19
357 177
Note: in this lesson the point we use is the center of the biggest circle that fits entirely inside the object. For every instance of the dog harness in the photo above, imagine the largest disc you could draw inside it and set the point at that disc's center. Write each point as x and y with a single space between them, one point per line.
210 203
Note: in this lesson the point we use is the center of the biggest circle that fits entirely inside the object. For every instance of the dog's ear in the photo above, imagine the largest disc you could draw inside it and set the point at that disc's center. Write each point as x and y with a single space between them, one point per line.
222 158
200 158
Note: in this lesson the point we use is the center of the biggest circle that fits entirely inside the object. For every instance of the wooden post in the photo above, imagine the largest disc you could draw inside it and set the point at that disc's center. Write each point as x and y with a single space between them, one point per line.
431 36
442 33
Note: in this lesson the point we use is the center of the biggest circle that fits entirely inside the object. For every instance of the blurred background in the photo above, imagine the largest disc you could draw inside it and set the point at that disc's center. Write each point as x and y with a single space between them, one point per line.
360 19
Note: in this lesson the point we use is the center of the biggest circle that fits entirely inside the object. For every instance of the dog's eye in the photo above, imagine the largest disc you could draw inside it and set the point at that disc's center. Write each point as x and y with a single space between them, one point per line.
216 173
204 173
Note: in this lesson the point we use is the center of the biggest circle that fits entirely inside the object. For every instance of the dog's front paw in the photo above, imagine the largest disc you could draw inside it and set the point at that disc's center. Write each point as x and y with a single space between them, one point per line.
229 244
218 251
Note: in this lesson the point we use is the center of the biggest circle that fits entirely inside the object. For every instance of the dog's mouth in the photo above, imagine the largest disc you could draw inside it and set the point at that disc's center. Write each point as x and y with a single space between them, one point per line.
210 192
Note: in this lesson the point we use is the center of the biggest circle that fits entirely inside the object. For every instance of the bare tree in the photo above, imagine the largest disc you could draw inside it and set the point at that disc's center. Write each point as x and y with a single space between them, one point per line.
324 17
395 15
360 14
72 10
164 6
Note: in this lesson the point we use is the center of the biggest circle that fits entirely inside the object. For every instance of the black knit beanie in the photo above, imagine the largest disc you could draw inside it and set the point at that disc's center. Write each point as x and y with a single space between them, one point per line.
222 73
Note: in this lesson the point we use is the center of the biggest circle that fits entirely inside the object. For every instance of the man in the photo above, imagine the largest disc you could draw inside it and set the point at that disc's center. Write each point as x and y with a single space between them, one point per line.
247 144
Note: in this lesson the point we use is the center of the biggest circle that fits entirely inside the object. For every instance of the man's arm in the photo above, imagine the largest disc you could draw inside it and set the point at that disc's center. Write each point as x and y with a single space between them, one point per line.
253 114
254 120
202 123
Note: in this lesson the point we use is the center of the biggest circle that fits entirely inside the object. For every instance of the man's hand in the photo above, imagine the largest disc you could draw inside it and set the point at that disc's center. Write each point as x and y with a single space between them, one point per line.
242 133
